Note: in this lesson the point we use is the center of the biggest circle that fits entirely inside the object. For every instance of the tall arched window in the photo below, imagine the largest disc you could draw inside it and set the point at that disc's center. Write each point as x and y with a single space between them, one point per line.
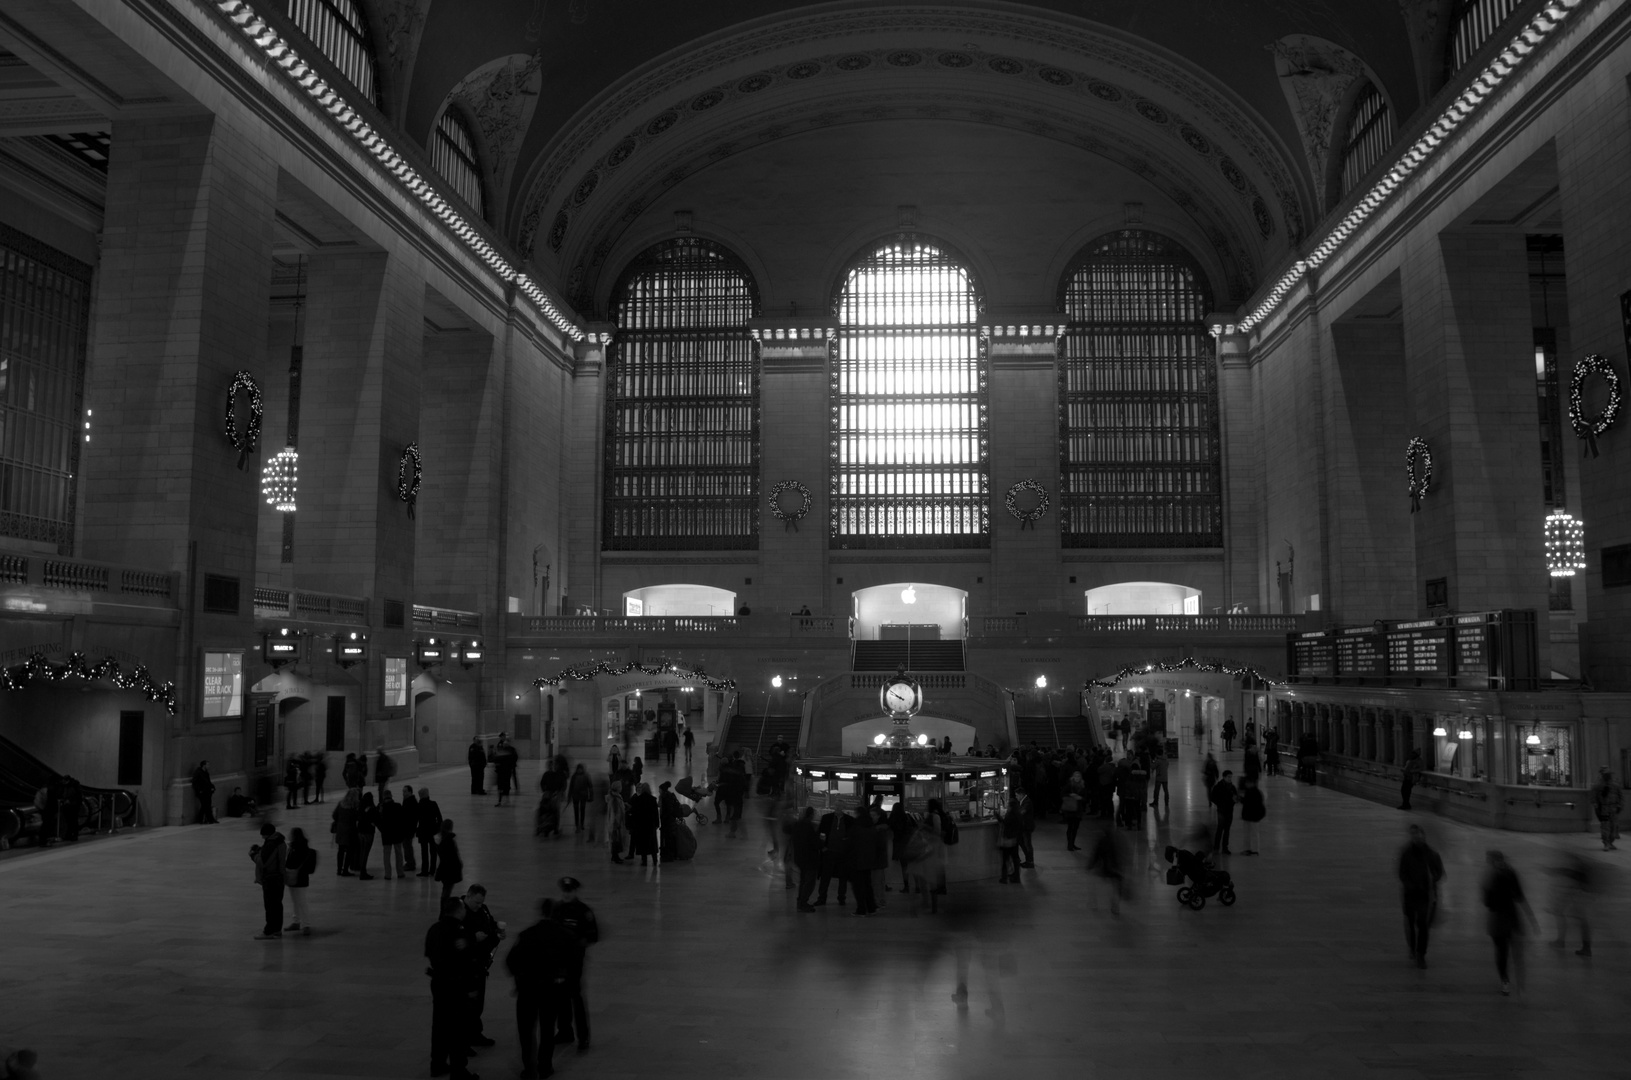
1473 22
1369 134
1139 456
682 402
338 29
908 391
453 153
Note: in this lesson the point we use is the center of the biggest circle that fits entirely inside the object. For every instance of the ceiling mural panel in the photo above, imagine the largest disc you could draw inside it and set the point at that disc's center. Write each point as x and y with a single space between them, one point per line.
502 96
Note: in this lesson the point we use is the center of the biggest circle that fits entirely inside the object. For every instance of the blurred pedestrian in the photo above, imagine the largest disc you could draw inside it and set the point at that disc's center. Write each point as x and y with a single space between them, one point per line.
542 961
1013 824
902 826
1109 859
1209 772
477 759
1223 797
451 953
835 832
1503 896
1159 791
1420 872
291 782
1411 774
505 762
689 741
344 828
866 840
806 845
428 825
1607 800
642 822
384 769
449 866
410 818
1576 882
203 797
579 791
616 820
268 857
1070 812
319 774
367 827
578 917
394 831
1252 811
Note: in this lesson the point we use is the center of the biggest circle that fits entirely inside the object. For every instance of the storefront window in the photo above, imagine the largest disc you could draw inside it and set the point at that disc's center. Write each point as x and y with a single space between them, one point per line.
1549 761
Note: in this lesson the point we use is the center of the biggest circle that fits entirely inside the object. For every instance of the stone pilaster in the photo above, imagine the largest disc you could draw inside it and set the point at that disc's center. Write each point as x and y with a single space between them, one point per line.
1024 431
1242 473
794 440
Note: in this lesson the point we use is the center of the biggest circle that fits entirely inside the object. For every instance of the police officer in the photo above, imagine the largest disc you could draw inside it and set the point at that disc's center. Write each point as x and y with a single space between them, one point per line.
542 961
578 917
485 934
450 949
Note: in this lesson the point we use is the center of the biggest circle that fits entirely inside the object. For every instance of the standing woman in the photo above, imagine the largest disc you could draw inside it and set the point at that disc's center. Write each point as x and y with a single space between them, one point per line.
410 825
427 826
298 865
449 866
1252 811
1008 843
367 825
579 790
643 819
344 829
616 820
901 828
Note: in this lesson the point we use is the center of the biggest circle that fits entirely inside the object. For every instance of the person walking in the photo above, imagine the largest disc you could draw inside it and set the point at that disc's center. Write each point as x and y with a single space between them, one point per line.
541 961
866 841
1576 881
319 775
299 864
579 790
344 828
643 822
671 743
1223 797
427 825
203 796
835 835
450 951
1252 812
578 917
1271 752
1412 773
1251 765
1228 735
806 845
1503 896
394 831
1070 812
1209 773
902 826
1420 872
269 859
384 769
449 866
1013 825
689 741
1607 800
505 761
410 826
616 820
291 783
367 827
477 758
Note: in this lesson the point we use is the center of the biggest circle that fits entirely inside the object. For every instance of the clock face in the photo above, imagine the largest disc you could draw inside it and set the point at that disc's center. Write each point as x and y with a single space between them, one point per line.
901 696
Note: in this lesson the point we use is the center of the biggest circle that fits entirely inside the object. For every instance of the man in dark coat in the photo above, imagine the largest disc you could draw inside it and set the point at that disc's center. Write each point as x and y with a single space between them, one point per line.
203 794
485 935
504 759
578 917
477 758
384 769
451 952
1420 871
427 824
1224 796
1411 774
542 961
806 846
269 858
834 834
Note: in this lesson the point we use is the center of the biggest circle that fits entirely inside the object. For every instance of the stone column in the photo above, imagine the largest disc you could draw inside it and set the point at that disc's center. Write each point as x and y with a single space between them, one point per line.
1026 561
1242 473
793 442
359 411
586 465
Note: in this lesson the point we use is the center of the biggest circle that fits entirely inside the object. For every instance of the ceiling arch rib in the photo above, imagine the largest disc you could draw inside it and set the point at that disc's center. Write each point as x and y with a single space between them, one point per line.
1053 55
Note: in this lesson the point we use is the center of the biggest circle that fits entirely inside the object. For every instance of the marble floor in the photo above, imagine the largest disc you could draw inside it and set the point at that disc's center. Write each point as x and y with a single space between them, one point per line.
133 958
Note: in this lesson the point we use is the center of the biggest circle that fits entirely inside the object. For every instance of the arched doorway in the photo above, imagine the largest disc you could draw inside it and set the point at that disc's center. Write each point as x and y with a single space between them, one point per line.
679 599
907 610
1143 598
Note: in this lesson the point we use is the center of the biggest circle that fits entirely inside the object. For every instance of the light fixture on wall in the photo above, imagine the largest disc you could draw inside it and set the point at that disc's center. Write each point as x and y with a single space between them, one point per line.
278 480
1439 732
1533 738
1565 543
1464 733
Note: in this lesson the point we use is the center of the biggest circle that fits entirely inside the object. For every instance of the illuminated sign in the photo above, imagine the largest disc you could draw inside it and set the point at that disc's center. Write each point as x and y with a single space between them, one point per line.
925 776
223 684
280 648
430 652
396 681
471 653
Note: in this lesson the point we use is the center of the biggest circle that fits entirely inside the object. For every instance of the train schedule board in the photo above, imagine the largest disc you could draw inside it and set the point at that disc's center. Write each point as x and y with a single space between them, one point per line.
1421 649
223 685
1472 653
1362 653
1312 654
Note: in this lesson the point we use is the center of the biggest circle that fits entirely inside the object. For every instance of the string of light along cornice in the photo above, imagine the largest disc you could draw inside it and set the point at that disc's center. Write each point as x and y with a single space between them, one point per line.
278 50
1517 52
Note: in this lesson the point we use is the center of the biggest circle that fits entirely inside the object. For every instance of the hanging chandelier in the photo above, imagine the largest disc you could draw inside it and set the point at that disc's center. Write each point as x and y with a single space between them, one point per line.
278 479
1565 543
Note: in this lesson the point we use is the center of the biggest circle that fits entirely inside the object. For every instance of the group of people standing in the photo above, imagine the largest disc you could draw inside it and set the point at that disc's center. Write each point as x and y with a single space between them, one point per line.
856 851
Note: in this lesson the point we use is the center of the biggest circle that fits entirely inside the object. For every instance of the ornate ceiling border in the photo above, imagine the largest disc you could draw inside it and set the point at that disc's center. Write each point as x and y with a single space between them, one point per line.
631 105
1172 176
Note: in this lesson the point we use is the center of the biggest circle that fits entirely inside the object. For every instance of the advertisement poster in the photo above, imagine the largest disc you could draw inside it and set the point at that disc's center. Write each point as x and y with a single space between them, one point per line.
223 684
396 681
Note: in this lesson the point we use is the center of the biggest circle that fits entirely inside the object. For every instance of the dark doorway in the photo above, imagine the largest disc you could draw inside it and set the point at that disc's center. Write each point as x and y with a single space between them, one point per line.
131 726
336 723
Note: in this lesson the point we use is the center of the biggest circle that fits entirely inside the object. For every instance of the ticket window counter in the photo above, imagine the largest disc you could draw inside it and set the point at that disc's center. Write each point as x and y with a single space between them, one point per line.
1548 760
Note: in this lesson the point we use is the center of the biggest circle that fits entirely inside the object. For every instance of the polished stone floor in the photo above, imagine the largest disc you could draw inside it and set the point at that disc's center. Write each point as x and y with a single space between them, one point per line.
133 958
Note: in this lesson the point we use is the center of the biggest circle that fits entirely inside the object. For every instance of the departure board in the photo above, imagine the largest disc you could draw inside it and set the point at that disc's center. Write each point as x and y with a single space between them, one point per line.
1313 654
1419 648
1471 647
1361 653
1486 650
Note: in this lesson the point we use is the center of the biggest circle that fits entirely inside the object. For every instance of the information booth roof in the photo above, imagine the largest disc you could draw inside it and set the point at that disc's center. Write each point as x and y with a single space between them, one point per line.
942 768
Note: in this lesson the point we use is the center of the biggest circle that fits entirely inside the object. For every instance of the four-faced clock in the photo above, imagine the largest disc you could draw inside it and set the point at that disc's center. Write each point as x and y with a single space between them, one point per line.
900 696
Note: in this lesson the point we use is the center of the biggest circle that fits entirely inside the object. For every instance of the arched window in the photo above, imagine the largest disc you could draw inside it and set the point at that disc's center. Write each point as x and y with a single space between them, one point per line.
1370 132
908 390
1139 455
453 153
337 28
1473 22
682 402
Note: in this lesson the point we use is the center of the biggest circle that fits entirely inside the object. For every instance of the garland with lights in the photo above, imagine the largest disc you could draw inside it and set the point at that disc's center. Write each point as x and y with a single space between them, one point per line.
1589 427
407 487
603 668
1188 663
1416 452
38 668
1027 518
790 520
244 443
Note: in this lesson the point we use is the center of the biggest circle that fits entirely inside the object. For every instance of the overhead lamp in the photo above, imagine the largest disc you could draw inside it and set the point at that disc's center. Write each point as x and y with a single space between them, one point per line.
1533 738
279 479
877 740
1565 543
923 740
1439 732
1464 733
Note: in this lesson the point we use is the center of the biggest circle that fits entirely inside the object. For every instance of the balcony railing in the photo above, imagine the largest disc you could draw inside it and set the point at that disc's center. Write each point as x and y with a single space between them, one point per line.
426 617
310 606
711 625
995 625
120 584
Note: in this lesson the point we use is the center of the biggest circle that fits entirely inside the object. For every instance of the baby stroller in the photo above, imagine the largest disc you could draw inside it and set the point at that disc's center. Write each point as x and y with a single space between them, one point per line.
687 788
1203 881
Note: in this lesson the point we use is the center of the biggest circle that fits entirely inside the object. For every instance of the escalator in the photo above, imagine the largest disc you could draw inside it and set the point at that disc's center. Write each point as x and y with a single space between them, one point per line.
22 775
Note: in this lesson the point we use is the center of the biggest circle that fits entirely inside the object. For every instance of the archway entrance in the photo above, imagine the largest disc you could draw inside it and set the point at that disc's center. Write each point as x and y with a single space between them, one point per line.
1143 598
657 601
909 611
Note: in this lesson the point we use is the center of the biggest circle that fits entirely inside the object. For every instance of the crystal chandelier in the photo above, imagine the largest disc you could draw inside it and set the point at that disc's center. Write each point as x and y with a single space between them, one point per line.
278 479
1565 544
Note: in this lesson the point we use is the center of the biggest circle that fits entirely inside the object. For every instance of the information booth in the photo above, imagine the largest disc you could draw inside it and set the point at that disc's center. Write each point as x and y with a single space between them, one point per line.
972 790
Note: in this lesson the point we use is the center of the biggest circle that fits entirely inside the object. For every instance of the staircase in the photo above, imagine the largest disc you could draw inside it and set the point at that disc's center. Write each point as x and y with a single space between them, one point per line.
1073 730
743 731
911 655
